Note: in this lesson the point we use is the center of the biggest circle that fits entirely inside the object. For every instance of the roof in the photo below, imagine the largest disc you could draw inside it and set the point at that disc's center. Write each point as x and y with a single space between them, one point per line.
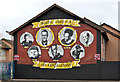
9 41
4 45
54 5
99 27
105 36
110 31
110 27
85 20
93 24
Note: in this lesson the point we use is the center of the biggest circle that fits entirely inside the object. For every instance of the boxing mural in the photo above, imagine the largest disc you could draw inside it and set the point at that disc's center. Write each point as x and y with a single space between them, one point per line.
58 44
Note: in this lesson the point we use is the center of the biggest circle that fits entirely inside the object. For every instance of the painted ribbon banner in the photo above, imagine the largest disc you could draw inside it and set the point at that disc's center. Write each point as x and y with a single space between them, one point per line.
56 65
43 23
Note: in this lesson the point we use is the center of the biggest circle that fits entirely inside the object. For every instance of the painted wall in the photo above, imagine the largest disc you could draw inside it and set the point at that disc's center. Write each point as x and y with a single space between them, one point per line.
89 51
89 67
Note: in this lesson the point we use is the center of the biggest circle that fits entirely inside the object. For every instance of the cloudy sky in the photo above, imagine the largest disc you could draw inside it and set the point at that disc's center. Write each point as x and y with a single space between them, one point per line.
13 13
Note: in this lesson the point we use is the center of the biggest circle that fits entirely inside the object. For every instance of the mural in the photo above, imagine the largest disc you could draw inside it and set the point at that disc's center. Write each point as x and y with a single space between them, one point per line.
57 44
26 39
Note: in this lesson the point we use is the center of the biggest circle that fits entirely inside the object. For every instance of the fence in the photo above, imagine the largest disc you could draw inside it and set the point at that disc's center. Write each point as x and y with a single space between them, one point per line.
6 70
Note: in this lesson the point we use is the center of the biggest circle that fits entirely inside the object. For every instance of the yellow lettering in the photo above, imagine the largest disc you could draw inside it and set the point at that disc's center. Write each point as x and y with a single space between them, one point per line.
70 22
46 23
59 22
41 65
51 22
56 65
66 21
43 23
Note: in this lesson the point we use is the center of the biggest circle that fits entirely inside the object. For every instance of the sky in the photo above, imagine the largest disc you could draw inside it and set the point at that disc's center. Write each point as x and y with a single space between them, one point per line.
14 13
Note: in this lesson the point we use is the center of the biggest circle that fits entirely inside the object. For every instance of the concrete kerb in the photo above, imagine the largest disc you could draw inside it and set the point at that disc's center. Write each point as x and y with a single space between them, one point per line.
43 80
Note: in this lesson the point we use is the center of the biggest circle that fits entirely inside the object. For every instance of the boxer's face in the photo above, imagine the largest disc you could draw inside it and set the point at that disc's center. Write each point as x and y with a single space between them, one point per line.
66 36
44 36
33 53
85 37
54 49
78 49
27 38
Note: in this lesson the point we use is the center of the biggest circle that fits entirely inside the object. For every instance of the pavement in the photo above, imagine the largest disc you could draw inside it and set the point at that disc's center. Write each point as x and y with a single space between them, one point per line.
42 80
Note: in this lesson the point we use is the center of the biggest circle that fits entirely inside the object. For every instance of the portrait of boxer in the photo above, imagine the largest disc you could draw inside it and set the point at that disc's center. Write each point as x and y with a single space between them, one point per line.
86 38
44 37
26 39
56 52
34 52
67 40
77 51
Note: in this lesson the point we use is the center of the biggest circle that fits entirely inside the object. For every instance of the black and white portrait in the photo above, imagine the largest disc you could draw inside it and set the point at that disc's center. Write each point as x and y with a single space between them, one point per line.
56 52
44 37
26 39
77 51
67 36
34 52
86 38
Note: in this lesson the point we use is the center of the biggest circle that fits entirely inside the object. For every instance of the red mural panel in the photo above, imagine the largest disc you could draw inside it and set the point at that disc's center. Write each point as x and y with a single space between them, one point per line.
89 51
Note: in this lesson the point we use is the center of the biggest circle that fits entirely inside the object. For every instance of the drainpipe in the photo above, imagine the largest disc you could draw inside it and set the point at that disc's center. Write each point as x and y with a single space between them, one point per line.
103 49
11 58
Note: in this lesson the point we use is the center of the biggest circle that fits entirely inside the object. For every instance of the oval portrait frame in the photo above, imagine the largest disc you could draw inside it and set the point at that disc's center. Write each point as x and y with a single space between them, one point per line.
46 29
32 38
81 56
38 50
68 28
61 51
91 36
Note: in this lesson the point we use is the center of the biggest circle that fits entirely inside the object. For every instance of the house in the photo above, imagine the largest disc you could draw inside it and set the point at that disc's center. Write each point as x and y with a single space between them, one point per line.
57 44
111 48
7 48
6 58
